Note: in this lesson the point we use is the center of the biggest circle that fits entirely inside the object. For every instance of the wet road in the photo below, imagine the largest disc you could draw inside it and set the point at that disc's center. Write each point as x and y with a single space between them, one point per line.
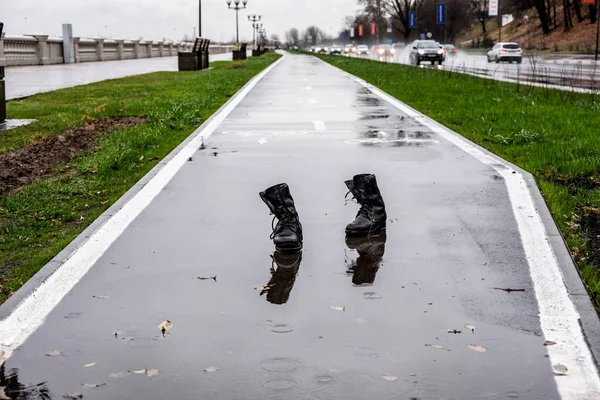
567 74
27 81
344 320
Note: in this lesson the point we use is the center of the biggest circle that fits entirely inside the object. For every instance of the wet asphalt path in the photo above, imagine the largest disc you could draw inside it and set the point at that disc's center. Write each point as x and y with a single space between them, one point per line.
453 240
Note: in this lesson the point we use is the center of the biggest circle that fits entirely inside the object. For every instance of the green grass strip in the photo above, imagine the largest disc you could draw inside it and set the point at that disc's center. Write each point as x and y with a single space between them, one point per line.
552 134
40 219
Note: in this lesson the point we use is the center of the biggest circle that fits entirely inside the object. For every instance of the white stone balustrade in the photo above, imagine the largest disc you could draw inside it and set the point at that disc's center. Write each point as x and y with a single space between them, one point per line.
38 49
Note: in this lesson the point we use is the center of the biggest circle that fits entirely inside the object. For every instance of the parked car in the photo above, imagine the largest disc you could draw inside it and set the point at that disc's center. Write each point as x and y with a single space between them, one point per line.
449 49
349 49
362 49
426 50
335 49
506 52
322 49
313 49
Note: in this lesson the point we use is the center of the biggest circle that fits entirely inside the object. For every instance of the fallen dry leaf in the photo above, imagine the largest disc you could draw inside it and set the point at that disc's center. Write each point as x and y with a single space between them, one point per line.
471 327
53 353
560 369
206 278
437 346
71 396
508 290
455 331
3 395
146 371
390 378
336 308
139 371
101 297
89 365
211 369
165 326
92 385
549 343
478 348
119 375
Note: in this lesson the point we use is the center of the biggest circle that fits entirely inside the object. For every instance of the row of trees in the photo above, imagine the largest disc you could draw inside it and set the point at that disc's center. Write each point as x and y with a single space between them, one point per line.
310 36
460 15
397 14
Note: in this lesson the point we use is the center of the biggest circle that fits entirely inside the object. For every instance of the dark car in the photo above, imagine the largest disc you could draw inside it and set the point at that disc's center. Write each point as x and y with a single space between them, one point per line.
426 50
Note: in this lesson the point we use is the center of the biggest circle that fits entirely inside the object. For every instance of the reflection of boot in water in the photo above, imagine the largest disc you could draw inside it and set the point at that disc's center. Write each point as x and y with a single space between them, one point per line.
13 389
370 252
283 277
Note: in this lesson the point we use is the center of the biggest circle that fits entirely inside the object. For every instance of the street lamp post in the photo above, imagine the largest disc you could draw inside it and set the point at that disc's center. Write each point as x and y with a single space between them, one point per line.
237 7
255 19
200 18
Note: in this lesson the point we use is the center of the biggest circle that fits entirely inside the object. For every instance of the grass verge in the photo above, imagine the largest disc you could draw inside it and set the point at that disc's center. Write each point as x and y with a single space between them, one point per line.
550 133
38 220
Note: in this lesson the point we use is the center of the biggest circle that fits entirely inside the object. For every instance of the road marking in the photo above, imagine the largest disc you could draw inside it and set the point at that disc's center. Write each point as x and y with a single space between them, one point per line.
34 309
320 125
559 319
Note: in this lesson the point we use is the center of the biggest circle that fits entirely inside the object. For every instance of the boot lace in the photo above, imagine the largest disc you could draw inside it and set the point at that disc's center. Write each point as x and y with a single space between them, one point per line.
287 221
365 209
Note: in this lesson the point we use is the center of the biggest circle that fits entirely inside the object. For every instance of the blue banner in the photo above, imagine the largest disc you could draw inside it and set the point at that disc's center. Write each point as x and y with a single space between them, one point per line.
441 13
412 17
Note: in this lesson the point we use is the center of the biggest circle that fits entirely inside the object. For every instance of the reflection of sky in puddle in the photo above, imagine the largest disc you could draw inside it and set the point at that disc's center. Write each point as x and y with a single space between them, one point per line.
263 133
395 142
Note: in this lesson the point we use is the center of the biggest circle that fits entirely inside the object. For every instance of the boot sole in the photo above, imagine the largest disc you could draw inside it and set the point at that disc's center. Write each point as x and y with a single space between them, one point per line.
288 249
365 233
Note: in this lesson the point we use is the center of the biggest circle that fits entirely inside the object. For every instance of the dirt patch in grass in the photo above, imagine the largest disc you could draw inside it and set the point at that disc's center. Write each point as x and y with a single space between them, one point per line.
581 181
38 159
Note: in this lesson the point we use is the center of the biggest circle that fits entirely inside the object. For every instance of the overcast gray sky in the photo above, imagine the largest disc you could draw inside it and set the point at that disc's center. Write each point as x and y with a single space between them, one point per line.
155 19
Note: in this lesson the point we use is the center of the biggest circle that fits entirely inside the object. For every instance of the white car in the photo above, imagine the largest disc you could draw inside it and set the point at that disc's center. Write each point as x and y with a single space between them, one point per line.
506 52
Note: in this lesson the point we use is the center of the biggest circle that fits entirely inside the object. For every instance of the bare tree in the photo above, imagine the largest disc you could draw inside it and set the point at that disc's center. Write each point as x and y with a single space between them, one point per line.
313 35
275 40
540 5
375 10
480 9
400 11
294 36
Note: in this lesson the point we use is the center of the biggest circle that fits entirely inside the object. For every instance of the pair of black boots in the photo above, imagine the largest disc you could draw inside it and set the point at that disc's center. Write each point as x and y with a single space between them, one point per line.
287 234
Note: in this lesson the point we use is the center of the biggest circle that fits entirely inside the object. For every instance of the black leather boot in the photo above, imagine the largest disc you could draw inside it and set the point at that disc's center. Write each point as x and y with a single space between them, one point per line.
283 277
370 252
287 234
371 217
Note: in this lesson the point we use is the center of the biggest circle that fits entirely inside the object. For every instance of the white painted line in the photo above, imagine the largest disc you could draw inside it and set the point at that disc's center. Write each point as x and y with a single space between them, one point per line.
559 319
320 125
34 309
